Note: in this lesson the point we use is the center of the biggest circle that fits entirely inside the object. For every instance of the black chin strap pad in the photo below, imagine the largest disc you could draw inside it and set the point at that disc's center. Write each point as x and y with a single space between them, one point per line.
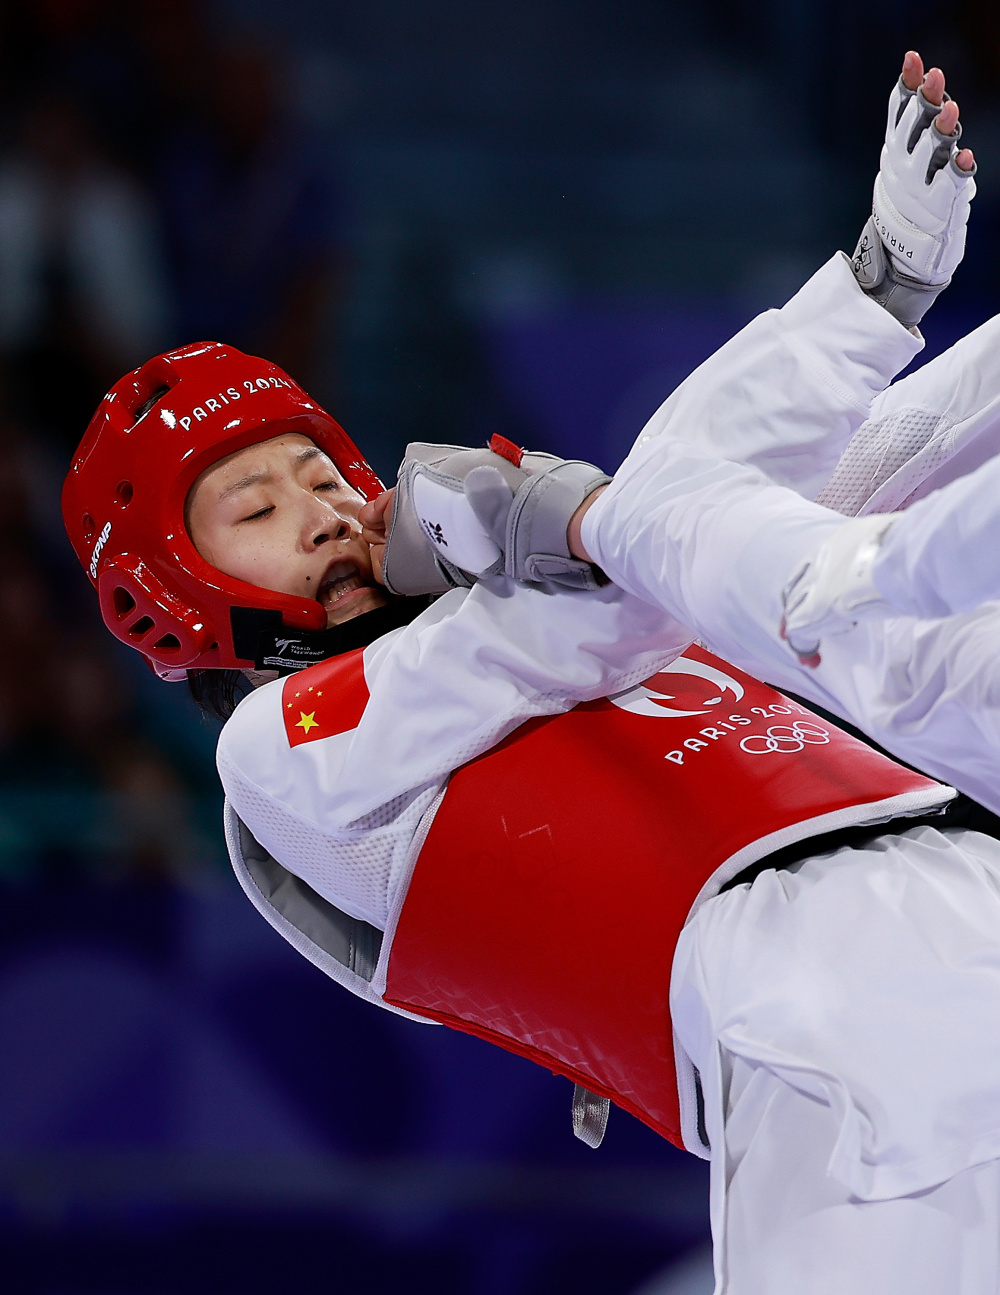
261 637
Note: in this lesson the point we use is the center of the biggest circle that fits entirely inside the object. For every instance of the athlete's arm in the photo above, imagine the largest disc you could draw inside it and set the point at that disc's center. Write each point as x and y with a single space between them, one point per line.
770 408
784 395
787 394
937 424
719 554
441 691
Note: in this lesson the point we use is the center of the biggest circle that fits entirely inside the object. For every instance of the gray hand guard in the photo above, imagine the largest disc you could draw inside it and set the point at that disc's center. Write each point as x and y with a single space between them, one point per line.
461 514
411 563
905 298
915 237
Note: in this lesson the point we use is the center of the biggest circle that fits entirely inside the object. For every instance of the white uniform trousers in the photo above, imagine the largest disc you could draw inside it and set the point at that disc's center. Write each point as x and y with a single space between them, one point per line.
791 1229
844 1016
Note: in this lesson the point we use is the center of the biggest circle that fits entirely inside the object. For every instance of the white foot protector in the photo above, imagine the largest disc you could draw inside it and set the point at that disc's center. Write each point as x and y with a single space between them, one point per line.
834 589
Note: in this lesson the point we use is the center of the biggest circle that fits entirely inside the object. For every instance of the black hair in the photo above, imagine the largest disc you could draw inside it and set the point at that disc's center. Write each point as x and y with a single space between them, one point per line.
218 692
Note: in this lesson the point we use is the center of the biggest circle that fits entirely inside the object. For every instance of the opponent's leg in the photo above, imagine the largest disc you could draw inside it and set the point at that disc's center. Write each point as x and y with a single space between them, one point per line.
939 558
790 1228
841 1015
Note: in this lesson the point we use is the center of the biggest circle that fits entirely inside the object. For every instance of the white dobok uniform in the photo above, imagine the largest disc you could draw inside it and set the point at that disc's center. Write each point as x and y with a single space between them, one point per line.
712 535
841 1013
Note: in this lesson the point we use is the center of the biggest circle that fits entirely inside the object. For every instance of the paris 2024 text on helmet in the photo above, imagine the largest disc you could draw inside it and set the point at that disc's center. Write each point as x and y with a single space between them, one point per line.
152 436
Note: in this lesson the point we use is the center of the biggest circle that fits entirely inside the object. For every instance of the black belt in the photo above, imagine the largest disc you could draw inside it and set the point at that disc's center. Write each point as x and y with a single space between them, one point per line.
962 812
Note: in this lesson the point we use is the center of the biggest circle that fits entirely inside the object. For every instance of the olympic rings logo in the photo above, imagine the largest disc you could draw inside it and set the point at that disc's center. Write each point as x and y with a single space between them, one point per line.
786 739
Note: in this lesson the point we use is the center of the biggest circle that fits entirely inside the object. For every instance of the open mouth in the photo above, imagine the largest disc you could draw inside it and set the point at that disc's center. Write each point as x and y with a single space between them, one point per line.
342 579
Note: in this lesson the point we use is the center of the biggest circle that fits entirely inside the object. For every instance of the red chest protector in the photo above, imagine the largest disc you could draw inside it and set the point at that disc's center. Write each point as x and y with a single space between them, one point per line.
546 902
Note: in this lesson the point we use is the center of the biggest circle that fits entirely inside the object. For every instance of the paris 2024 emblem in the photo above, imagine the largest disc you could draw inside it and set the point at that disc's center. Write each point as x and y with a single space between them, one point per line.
687 688
685 682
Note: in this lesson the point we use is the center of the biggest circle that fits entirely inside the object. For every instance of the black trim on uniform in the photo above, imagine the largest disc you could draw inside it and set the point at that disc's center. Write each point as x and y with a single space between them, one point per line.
262 637
963 812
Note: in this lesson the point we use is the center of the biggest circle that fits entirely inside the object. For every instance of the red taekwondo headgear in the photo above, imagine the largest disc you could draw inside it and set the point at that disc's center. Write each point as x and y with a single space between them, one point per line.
123 503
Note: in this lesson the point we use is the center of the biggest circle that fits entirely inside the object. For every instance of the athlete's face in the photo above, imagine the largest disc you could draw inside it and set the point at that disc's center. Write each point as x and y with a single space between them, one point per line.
280 516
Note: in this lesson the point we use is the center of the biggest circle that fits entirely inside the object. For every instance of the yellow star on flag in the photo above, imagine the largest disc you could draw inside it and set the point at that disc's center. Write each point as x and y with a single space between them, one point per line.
307 721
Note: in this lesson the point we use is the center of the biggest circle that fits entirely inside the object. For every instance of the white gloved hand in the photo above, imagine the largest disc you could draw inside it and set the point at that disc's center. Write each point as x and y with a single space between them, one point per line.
834 589
915 237
459 515
922 196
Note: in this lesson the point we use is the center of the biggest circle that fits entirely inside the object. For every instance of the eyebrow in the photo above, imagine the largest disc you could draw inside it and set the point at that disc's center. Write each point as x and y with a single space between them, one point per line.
255 478
243 482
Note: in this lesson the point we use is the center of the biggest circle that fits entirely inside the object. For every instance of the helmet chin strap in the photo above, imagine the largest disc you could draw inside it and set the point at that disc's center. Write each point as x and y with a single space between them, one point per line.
261 636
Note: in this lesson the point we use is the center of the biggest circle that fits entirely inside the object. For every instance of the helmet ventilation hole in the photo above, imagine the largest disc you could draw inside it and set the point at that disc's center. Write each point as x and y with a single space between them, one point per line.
141 627
169 643
150 401
89 526
123 494
123 602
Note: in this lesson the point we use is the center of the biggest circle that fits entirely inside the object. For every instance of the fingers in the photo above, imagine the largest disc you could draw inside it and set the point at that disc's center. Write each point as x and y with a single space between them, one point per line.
378 562
372 530
373 534
375 517
913 70
946 122
933 86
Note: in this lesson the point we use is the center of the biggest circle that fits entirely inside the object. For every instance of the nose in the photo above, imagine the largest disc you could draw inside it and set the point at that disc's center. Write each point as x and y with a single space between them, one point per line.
328 523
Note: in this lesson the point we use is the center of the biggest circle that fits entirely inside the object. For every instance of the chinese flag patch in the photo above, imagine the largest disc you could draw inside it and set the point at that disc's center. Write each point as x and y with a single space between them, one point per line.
324 699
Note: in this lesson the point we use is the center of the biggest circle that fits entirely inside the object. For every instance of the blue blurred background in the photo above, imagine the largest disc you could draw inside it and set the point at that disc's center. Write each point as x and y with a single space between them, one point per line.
446 219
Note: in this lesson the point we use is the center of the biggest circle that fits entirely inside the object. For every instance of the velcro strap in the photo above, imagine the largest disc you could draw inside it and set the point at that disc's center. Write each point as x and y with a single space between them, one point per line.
903 296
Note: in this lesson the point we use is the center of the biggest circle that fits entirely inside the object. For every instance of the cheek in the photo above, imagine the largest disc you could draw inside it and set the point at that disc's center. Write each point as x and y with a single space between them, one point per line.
253 557
268 566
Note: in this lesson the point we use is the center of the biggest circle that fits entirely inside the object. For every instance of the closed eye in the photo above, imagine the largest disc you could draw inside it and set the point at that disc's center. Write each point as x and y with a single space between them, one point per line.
328 485
261 512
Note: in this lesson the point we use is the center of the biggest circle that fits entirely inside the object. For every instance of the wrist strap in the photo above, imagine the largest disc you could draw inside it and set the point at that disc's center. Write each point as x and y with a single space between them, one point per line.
905 298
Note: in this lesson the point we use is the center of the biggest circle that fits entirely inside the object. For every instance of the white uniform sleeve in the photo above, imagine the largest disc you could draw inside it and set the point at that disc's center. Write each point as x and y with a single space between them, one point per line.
782 399
787 392
480 662
715 542
343 812
935 425
929 691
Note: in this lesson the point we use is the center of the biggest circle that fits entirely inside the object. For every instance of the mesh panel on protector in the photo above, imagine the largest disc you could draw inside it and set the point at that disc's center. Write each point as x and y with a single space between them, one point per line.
385 814
356 874
878 450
